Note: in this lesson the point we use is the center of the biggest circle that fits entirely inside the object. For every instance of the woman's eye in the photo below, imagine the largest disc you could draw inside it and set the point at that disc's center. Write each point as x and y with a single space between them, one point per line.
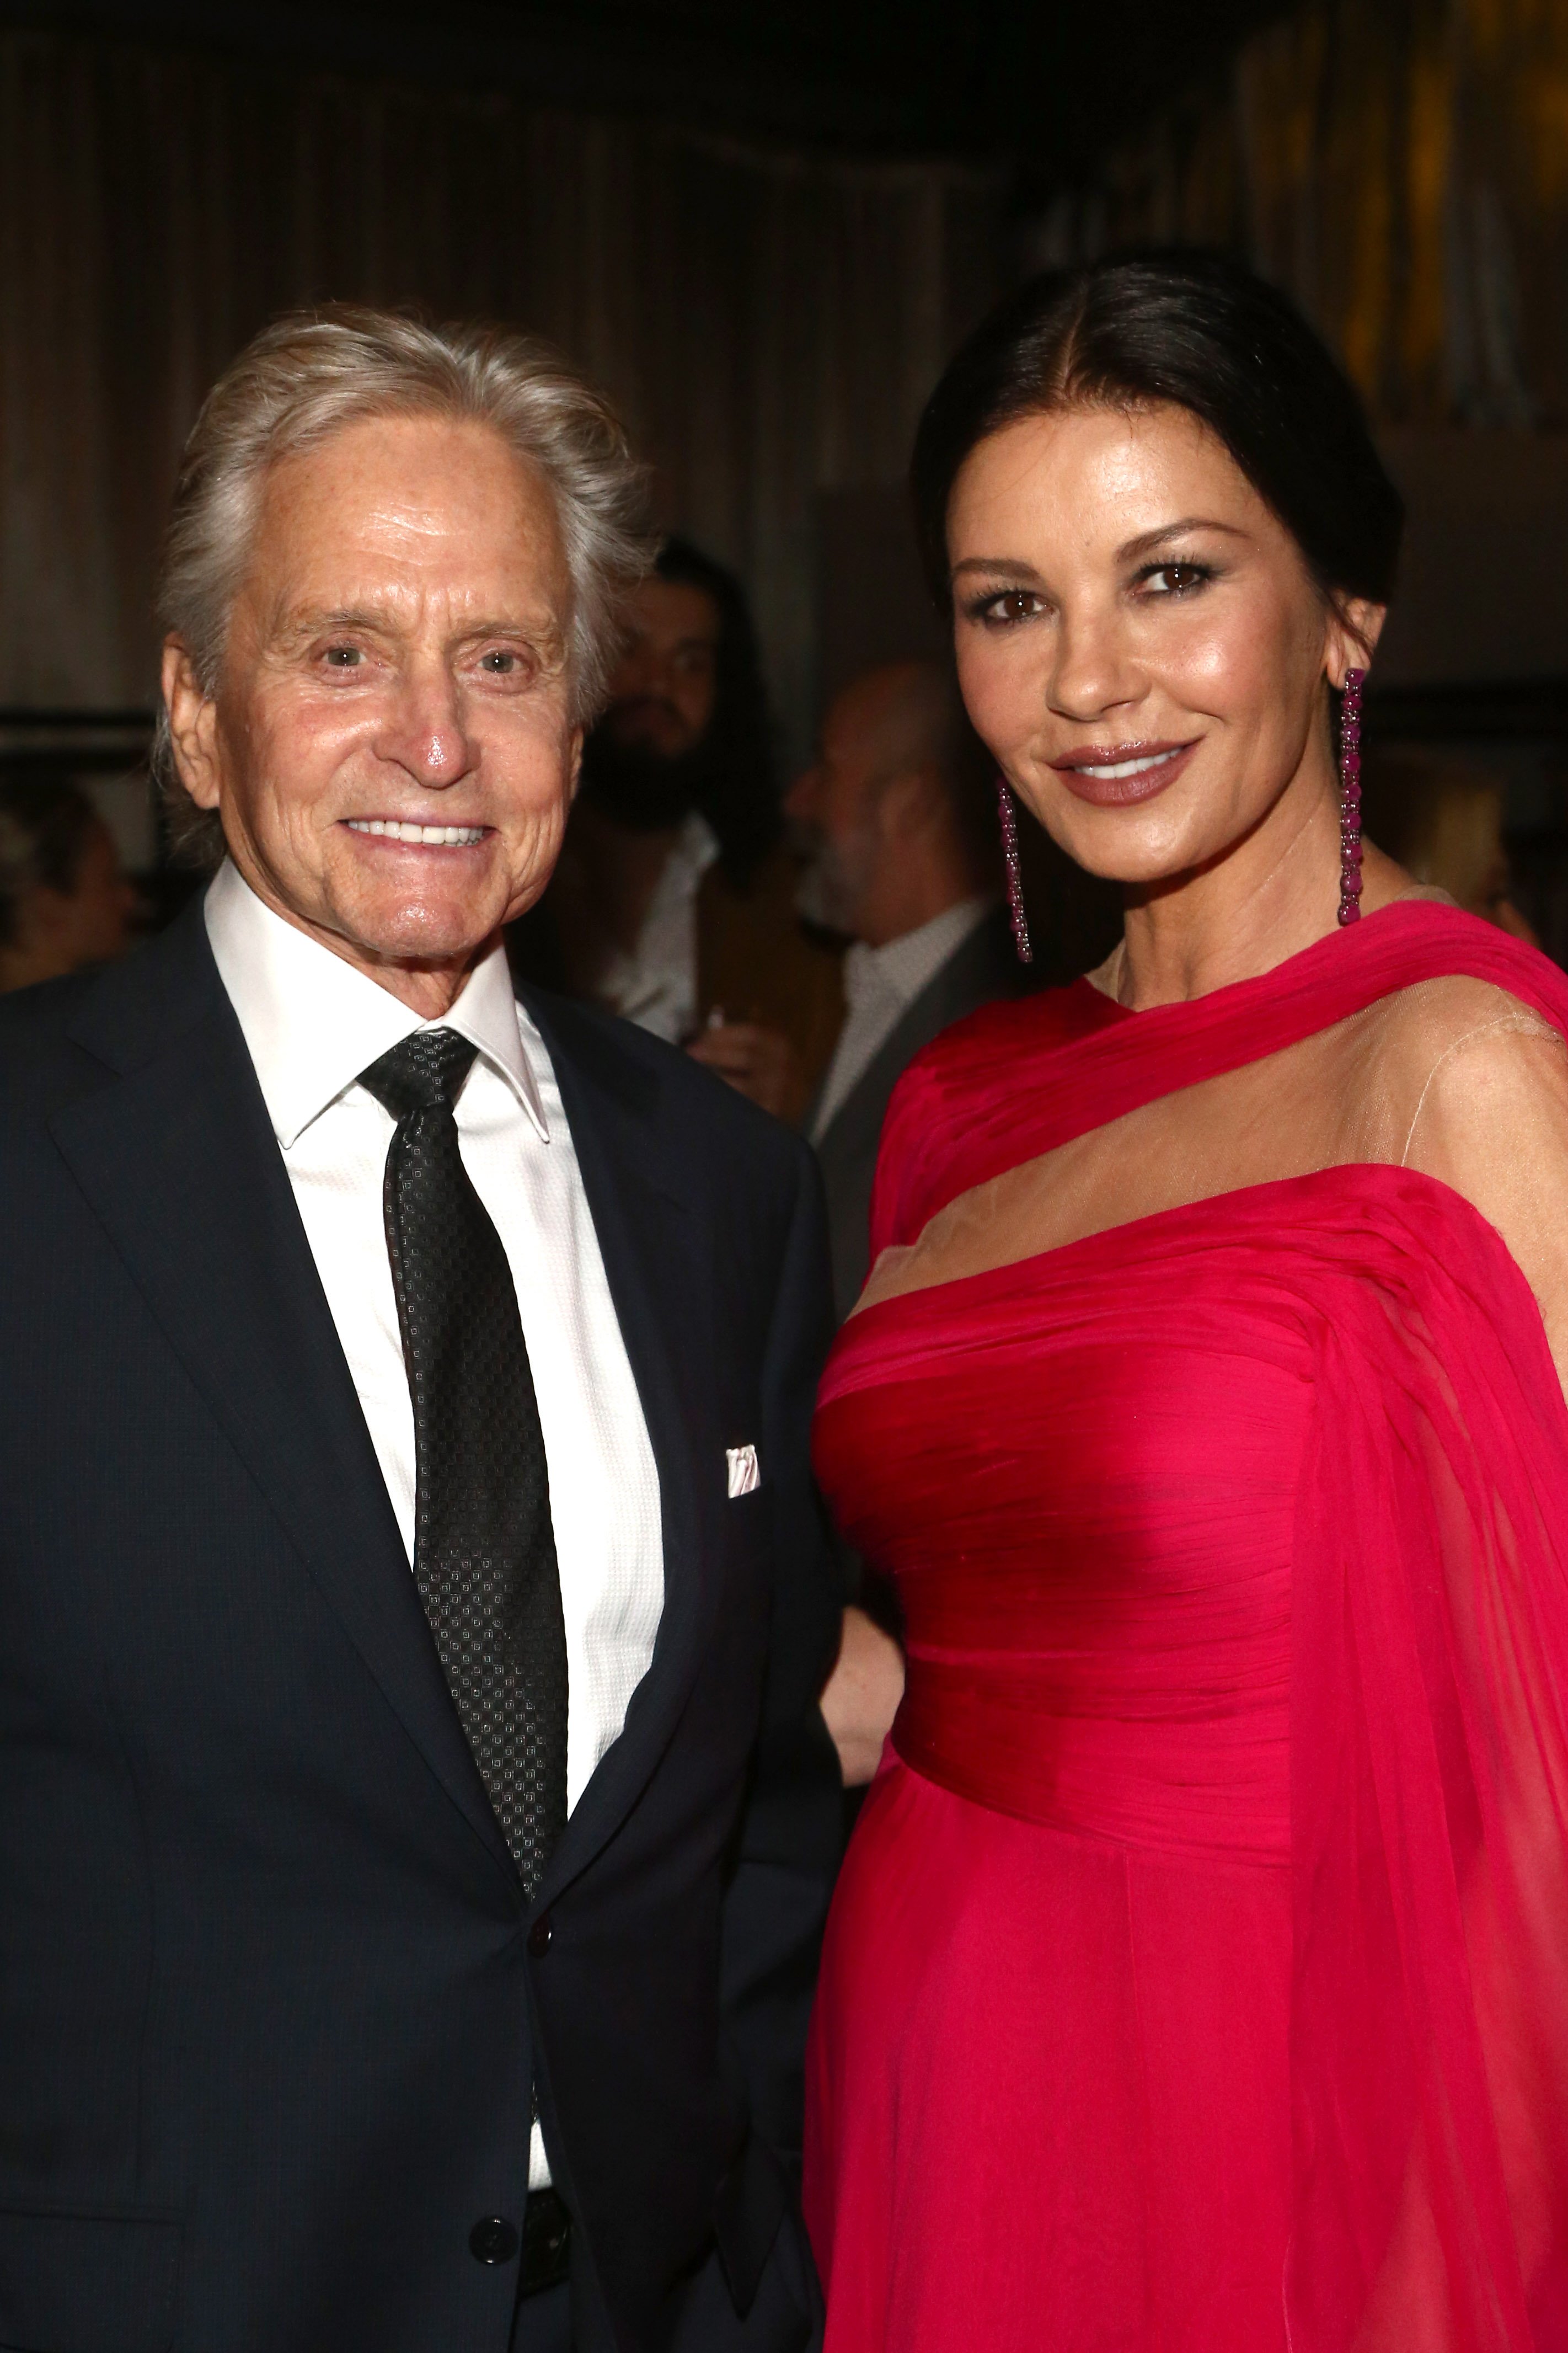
1175 579
1011 606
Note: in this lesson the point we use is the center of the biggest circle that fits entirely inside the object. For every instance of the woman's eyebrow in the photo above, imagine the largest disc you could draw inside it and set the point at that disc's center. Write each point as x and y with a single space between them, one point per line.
1152 539
1005 568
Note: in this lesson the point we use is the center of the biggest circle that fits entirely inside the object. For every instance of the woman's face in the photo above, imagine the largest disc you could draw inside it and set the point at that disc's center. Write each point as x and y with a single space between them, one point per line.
1139 640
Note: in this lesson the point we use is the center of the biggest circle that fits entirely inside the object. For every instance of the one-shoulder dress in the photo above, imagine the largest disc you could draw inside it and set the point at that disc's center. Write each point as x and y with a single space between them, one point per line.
1197 1980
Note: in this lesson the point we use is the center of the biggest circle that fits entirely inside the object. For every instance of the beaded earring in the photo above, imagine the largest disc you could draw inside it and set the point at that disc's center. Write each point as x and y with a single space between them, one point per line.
1009 816
1350 797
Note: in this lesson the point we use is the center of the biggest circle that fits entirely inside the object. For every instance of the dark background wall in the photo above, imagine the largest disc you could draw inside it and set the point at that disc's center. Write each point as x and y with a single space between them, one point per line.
764 228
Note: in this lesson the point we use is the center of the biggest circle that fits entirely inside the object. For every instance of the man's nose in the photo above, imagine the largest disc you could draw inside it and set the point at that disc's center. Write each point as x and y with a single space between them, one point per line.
426 734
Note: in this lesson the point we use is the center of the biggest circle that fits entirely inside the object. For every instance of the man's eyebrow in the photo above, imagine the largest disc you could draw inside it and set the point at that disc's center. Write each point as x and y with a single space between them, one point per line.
382 621
311 623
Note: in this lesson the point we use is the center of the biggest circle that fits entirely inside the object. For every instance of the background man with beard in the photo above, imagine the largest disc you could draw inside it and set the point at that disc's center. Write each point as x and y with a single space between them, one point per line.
674 900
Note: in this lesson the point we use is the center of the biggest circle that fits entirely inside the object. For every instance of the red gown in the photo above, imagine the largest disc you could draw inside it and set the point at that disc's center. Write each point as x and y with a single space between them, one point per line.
1197 1978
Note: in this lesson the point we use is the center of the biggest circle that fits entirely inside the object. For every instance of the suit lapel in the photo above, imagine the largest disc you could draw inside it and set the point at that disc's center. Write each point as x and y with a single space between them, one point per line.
658 1284
975 974
175 1154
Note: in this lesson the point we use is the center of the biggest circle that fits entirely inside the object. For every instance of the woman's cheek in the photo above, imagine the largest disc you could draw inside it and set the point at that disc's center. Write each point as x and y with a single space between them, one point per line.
1000 692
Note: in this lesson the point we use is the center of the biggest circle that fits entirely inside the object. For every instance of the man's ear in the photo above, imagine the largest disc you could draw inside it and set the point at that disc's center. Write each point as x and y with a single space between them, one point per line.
1354 629
193 726
912 803
576 757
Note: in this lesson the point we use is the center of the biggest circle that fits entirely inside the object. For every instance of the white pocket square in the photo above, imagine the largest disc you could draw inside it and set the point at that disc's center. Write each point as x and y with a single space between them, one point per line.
742 1464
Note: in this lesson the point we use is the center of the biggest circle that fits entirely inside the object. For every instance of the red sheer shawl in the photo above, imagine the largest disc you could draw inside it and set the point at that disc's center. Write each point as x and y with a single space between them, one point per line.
1429 1701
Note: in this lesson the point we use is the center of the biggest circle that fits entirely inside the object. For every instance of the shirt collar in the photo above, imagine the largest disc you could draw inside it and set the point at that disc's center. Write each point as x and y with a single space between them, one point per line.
899 969
312 1023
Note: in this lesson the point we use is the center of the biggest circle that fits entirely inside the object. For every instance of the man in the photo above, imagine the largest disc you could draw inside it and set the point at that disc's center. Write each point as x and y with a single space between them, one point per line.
409 1558
673 903
65 900
899 811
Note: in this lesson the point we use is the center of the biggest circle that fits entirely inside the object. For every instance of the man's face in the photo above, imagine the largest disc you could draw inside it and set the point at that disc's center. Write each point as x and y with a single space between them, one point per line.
662 692
834 807
391 746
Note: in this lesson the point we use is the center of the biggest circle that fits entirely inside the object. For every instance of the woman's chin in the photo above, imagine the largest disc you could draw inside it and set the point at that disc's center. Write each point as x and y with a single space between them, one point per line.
1115 848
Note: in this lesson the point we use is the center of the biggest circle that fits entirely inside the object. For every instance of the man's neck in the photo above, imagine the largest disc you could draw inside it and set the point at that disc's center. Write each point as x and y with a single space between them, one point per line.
912 909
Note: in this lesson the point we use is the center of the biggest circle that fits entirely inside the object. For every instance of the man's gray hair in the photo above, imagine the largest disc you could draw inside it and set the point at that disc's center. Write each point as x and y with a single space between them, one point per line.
313 372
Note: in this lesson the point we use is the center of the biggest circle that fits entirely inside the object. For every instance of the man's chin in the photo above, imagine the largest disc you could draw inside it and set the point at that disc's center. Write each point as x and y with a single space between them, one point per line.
433 930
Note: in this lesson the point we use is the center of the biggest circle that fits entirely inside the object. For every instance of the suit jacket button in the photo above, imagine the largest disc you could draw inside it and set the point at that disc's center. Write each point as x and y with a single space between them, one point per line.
492 2239
538 1936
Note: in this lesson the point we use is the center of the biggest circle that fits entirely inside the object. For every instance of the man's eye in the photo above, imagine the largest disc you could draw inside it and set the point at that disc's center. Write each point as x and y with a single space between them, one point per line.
501 661
345 657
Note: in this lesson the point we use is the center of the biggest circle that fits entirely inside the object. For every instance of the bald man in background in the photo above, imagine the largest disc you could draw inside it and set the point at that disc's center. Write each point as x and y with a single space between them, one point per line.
898 811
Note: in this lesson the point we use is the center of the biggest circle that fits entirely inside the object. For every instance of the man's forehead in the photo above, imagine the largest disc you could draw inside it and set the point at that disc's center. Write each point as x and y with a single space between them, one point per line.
677 609
379 528
401 489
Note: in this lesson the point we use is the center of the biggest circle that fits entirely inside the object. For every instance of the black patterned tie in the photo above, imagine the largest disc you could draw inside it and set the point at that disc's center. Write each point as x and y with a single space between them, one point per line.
484 1549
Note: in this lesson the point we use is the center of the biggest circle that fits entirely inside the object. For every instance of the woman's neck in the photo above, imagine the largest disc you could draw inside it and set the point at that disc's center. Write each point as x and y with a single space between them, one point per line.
1271 896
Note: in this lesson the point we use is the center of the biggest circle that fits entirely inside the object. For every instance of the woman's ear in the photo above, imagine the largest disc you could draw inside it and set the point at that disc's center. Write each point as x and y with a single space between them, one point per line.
1355 624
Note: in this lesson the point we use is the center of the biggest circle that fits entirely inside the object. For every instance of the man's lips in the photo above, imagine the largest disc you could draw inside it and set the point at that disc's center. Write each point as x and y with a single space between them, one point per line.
1115 776
426 837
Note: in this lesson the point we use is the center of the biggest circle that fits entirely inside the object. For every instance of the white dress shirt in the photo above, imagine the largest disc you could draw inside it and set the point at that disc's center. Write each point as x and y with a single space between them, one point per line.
312 1023
879 986
655 985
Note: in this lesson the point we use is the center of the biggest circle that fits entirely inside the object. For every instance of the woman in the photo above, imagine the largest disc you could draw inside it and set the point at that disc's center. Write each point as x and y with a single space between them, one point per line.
1198 1975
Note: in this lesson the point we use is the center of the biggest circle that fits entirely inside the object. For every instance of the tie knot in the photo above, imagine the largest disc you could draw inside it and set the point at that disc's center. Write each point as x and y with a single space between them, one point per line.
423 1073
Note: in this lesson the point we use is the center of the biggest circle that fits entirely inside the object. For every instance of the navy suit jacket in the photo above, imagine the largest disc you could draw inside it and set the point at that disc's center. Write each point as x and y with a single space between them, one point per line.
270 1998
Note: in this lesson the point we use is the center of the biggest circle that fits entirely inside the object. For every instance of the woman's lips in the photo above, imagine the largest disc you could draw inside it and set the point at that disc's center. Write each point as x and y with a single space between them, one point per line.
1116 775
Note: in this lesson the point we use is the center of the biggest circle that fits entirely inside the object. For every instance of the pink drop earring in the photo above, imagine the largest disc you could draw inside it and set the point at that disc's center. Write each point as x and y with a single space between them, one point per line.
1009 816
1350 797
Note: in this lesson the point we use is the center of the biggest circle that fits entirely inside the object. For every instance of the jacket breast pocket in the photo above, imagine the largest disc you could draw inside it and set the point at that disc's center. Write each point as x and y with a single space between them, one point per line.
76 2282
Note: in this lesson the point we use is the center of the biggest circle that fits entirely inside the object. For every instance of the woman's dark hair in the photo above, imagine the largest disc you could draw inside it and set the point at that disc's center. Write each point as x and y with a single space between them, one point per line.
46 823
739 796
1199 330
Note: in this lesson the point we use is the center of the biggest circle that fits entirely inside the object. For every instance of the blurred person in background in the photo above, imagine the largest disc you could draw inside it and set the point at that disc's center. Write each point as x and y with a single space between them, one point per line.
1441 818
897 813
674 902
65 899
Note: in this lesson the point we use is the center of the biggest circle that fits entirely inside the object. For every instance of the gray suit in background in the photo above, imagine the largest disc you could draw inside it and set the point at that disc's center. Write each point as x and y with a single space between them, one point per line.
980 969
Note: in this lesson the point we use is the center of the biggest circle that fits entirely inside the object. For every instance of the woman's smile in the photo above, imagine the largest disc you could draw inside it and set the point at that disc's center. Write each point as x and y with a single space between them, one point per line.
1119 775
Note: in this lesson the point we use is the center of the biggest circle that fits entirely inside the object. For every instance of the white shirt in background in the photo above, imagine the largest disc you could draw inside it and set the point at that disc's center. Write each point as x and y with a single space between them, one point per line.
879 986
312 1023
656 984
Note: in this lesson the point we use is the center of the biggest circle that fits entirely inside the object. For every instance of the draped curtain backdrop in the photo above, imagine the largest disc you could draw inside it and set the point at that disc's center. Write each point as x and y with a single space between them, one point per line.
769 324
1402 167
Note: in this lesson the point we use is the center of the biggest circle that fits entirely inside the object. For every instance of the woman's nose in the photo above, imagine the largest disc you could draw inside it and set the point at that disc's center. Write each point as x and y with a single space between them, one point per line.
1093 670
